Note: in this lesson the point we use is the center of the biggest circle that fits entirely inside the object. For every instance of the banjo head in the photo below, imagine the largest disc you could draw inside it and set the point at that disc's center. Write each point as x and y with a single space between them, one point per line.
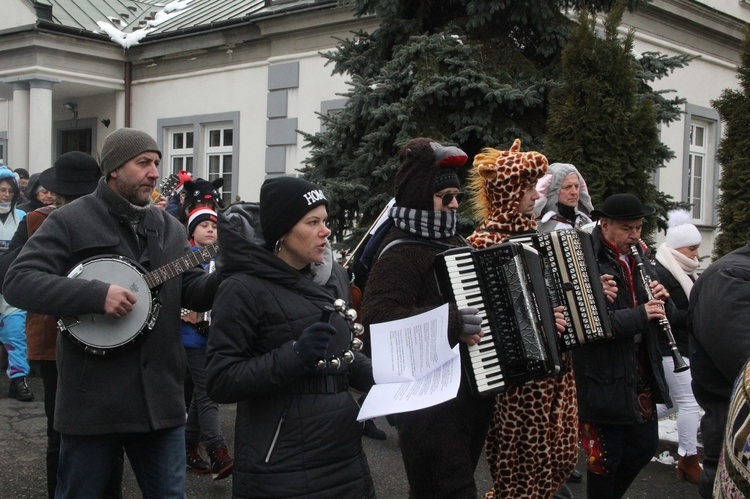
100 333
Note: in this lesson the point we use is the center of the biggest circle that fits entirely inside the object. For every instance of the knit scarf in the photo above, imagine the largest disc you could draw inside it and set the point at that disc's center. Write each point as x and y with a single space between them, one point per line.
422 223
5 207
680 266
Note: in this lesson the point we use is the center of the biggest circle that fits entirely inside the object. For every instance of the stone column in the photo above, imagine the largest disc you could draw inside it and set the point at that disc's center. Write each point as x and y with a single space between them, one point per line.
40 125
18 135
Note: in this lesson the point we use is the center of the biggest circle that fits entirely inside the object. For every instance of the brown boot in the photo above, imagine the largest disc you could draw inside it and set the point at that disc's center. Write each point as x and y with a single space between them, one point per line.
689 468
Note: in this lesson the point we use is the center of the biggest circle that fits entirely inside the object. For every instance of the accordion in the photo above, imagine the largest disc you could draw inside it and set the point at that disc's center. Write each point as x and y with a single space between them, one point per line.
572 276
506 283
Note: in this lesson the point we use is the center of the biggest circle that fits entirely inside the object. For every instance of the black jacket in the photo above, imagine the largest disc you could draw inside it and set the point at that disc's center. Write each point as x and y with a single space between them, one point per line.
719 344
679 319
606 370
291 439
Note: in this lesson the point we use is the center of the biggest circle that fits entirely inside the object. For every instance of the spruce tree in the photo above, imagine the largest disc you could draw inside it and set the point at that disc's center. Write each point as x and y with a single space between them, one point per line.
734 157
604 119
474 73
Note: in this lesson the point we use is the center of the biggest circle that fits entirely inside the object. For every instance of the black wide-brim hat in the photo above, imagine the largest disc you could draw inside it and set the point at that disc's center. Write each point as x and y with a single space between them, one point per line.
74 174
623 207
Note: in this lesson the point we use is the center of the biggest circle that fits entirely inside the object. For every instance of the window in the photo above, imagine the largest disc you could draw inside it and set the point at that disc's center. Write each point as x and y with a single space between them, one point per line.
204 145
696 163
700 169
220 140
2 152
181 150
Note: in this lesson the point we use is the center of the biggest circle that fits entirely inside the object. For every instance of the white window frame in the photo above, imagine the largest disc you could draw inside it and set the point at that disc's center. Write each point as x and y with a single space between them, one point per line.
697 194
708 119
219 156
200 126
184 155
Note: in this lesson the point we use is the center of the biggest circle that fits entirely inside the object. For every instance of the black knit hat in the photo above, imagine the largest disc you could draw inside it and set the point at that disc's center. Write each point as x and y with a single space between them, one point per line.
22 173
199 215
283 203
74 174
124 144
426 167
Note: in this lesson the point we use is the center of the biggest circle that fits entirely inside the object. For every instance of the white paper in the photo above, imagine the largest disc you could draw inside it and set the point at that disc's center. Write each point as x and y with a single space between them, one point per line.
413 365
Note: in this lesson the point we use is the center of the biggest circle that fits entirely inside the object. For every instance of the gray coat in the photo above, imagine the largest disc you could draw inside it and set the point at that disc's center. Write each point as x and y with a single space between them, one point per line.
140 388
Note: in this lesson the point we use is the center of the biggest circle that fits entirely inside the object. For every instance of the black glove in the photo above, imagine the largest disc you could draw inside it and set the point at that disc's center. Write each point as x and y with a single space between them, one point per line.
471 321
313 343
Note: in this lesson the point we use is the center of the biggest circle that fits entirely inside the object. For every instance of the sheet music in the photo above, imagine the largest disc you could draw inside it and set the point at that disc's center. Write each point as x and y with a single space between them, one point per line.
413 365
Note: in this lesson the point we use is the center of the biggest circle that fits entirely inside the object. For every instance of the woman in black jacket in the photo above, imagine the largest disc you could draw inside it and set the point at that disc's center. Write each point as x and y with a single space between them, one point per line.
676 263
296 433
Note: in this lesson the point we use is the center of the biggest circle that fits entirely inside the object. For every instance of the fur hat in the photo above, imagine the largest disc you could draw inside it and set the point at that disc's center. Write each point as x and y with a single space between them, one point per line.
74 174
283 203
124 144
426 167
623 207
202 190
681 232
199 215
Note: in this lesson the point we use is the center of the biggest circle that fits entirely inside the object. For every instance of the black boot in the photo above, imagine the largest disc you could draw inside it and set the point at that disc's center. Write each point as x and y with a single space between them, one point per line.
575 476
370 430
19 390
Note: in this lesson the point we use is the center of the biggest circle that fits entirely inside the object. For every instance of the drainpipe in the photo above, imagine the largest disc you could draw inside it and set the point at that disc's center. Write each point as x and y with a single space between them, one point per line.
128 84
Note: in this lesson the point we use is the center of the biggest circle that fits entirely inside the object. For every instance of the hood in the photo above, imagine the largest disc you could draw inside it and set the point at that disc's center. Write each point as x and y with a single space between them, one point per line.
32 186
242 249
6 174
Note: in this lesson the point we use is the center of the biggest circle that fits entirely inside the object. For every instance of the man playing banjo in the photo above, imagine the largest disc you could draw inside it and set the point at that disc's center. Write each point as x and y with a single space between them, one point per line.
127 393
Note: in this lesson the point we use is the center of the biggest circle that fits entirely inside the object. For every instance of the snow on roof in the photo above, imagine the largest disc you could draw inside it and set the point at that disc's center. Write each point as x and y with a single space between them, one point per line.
127 40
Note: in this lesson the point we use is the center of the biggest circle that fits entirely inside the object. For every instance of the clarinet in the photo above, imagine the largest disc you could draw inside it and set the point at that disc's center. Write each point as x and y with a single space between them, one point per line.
679 363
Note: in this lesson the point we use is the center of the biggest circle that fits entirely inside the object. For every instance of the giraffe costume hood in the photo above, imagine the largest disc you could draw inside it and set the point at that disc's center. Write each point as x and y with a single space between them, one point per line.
498 182
532 442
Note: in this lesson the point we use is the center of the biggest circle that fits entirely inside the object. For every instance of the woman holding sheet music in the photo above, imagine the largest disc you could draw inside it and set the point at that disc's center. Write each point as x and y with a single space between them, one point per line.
440 445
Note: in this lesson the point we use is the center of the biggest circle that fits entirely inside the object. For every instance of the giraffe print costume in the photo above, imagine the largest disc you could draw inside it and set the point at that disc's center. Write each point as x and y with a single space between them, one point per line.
532 443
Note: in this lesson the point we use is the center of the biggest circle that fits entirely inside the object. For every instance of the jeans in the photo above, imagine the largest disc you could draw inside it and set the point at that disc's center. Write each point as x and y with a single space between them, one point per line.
13 338
203 415
688 417
157 459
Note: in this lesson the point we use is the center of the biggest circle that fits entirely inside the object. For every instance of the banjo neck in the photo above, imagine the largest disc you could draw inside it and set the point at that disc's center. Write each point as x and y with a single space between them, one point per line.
182 264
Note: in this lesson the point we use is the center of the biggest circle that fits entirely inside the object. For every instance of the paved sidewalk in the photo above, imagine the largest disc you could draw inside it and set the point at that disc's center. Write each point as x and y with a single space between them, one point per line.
23 475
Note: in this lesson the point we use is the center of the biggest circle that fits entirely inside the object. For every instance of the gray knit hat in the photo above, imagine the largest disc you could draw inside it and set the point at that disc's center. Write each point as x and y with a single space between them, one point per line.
124 144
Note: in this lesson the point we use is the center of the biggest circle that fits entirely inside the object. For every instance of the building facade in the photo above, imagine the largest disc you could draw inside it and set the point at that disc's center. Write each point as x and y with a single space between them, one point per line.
225 85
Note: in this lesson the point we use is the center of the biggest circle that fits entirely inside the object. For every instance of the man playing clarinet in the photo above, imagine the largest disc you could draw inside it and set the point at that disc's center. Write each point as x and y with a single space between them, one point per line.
620 380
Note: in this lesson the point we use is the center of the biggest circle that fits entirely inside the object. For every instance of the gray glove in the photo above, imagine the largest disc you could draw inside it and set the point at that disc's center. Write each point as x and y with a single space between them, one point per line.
471 320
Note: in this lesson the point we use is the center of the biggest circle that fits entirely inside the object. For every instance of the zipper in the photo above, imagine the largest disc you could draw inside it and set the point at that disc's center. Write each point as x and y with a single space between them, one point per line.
275 437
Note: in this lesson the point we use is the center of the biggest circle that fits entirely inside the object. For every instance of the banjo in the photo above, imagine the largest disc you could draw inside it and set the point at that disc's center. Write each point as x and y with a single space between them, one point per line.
100 334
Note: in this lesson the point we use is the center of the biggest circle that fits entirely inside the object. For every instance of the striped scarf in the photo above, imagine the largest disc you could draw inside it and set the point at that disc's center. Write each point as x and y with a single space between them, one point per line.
422 223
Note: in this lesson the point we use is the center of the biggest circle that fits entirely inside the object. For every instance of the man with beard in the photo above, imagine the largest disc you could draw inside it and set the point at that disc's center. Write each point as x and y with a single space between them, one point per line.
131 400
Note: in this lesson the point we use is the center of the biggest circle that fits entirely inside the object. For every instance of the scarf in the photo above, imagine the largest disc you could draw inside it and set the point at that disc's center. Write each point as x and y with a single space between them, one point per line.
423 223
680 266
5 207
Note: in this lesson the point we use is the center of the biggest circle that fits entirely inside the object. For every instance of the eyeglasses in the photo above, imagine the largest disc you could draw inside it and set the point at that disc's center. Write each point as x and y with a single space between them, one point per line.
448 197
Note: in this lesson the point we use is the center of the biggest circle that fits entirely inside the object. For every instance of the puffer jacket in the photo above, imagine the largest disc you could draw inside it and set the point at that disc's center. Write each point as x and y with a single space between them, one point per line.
296 433
606 370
